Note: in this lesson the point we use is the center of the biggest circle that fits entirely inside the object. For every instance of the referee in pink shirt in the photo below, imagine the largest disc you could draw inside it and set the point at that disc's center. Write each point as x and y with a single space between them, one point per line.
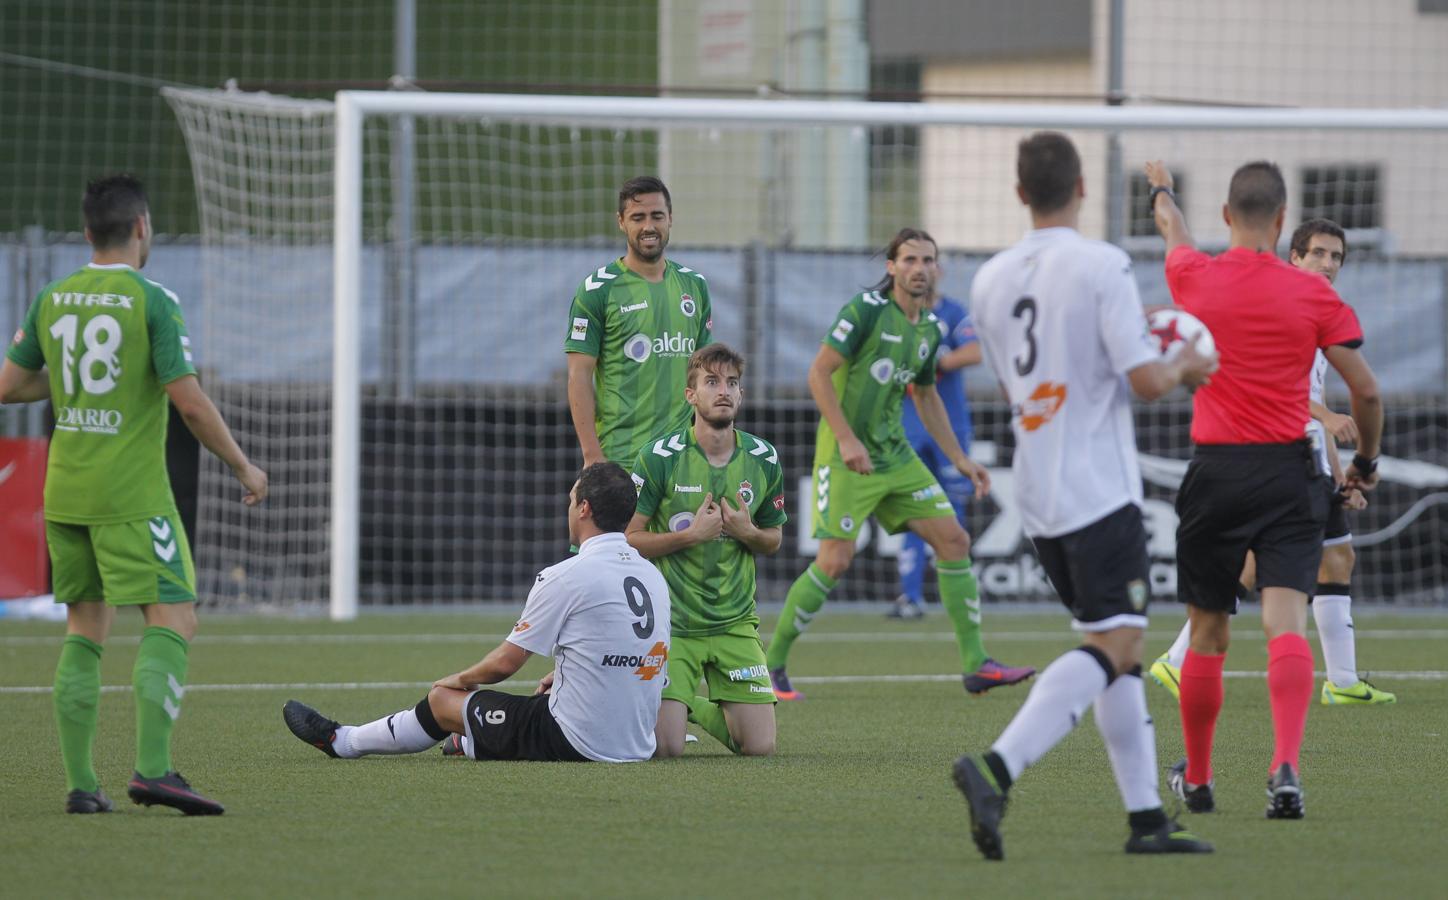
1253 483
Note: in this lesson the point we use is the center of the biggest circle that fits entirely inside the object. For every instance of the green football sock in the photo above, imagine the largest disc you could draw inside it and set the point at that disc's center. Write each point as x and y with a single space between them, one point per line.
960 595
804 599
77 701
709 716
159 679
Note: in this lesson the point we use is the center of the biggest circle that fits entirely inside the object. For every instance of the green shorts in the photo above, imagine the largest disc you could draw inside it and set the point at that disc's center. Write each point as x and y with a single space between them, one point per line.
124 564
845 499
733 662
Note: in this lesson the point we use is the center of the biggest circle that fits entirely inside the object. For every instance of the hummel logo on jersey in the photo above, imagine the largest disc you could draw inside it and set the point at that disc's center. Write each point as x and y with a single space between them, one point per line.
761 448
163 539
674 445
635 307
688 489
1041 407
892 338
603 274
645 667
71 298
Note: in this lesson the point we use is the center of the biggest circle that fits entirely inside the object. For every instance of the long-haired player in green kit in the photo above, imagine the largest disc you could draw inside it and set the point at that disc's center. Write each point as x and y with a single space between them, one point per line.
116 350
882 343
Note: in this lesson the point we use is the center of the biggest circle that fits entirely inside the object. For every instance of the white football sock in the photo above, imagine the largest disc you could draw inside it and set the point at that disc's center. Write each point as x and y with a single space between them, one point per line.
1054 706
400 732
1178 652
1130 738
1333 614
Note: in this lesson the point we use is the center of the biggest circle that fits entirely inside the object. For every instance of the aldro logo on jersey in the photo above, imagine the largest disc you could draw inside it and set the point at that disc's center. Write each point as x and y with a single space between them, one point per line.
641 346
883 370
645 667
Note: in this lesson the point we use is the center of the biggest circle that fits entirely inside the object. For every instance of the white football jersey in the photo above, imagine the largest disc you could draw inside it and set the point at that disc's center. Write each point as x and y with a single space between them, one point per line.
1316 433
1061 324
603 616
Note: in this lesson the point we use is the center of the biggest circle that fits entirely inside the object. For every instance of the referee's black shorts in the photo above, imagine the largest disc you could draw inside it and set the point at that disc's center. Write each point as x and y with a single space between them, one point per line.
1268 498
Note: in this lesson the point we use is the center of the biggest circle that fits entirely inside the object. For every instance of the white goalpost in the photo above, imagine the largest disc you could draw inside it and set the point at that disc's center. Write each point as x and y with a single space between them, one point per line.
524 184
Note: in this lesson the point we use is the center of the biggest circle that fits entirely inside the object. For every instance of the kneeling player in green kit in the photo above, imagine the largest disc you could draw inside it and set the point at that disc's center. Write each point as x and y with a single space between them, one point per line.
710 497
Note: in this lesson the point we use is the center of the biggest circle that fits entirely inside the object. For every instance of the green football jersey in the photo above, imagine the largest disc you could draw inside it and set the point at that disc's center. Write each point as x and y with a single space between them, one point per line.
642 335
111 340
885 353
711 585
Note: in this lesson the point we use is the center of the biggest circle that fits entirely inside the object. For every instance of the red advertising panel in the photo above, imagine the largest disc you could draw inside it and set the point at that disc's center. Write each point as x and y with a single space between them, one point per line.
24 562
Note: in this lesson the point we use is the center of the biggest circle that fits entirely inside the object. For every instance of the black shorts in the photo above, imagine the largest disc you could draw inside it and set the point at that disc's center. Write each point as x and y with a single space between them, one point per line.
1338 531
1268 498
1102 571
513 726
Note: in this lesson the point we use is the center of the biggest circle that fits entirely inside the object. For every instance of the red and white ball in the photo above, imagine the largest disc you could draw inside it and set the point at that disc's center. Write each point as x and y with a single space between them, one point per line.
1173 328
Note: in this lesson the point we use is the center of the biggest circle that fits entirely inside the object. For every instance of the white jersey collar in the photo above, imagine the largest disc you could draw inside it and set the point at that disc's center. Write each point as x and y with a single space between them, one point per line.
602 542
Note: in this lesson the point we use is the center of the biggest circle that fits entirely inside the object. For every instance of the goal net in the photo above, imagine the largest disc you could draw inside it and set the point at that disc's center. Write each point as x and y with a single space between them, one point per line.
388 276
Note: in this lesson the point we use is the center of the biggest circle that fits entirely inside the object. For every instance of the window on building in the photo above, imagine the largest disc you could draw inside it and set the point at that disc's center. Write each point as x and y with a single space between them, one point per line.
1140 222
1348 194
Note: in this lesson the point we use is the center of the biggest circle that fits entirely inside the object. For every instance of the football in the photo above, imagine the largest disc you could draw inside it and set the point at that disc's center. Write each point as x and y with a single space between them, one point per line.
1173 328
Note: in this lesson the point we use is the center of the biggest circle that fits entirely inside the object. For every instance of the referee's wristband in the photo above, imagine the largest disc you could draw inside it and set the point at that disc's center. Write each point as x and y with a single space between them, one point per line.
1159 189
1364 465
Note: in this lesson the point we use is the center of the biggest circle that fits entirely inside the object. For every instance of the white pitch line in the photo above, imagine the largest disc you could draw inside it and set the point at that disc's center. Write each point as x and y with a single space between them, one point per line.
828 637
1425 675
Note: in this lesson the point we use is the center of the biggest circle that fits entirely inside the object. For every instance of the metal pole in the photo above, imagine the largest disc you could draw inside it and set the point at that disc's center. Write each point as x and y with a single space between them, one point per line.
1115 175
400 304
346 389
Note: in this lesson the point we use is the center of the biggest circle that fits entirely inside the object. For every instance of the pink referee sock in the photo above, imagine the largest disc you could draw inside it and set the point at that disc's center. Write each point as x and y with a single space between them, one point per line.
1289 684
1201 701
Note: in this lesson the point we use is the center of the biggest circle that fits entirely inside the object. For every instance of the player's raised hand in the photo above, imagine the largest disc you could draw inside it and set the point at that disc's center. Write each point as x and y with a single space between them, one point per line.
1342 428
255 482
977 474
737 522
708 521
854 455
1158 175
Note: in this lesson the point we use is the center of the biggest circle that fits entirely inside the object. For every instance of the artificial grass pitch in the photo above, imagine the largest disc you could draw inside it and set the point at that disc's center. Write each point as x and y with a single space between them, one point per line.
858 801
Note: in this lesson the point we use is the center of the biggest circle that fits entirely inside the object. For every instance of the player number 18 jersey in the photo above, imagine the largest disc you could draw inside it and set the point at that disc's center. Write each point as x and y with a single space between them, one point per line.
111 340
